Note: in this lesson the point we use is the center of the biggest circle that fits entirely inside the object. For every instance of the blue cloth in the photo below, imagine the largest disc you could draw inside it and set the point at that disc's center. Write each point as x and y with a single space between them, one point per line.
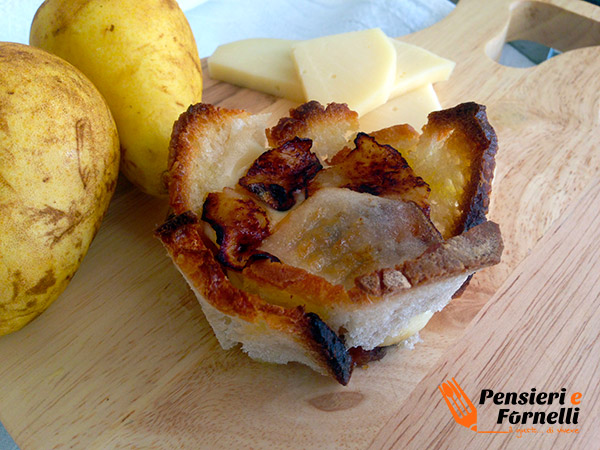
6 442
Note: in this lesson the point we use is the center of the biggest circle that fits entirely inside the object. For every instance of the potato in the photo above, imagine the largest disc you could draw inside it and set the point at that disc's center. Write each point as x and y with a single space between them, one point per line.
142 57
59 161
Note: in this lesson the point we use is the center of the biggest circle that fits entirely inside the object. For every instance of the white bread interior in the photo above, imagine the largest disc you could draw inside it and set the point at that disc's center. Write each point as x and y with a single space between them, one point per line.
397 315
258 340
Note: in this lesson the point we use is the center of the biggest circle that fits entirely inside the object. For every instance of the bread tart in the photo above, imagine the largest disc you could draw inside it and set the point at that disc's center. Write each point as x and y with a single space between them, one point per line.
312 242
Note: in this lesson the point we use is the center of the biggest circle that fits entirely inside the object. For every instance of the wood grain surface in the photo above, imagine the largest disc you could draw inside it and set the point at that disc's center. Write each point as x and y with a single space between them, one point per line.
539 331
125 358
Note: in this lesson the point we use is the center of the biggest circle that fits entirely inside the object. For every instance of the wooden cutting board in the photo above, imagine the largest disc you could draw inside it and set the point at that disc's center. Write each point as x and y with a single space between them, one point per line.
125 358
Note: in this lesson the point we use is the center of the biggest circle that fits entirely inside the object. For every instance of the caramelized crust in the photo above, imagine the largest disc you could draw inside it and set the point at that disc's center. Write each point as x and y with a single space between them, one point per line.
480 246
328 127
375 169
286 285
456 157
240 223
211 148
402 137
277 173
183 238
193 126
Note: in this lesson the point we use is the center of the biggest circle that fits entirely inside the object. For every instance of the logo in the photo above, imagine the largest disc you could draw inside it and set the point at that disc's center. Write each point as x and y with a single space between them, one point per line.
464 411
461 406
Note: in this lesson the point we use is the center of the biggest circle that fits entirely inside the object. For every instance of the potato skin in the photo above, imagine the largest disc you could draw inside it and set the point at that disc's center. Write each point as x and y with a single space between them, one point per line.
142 57
59 157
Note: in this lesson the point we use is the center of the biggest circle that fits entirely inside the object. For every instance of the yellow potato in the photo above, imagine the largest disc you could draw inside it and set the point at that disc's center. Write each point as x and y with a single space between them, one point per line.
142 57
59 161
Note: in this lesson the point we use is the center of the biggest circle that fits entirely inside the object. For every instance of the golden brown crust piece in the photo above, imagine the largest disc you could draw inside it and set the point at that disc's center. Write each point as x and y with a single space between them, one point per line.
277 173
194 125
183 238
328 127
479 247
375 169
287 285
456 157
483 164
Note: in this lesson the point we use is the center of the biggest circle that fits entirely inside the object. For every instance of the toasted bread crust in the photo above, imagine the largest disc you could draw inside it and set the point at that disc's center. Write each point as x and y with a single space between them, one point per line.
475 249
328 127
468 122
183 238
288 283
303 120
200 121
480 246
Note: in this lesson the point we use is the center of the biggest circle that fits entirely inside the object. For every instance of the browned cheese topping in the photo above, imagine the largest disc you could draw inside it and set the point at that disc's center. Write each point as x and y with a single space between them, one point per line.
241 225
278 173
375 169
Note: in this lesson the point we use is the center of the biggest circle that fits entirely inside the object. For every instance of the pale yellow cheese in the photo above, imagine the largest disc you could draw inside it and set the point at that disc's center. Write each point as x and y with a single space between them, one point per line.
357 68
411 108
267 65
416 67
416 324
261 64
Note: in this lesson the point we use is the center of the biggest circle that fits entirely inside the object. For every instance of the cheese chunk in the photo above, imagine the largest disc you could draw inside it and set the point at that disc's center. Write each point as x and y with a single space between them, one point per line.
416 67
267 65
411 108
415 324
264 65
357 68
